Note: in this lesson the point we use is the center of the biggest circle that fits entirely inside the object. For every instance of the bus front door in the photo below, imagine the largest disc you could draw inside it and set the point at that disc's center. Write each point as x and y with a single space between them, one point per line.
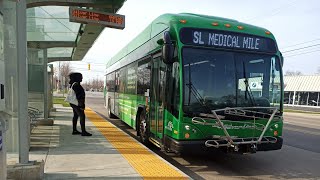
157 97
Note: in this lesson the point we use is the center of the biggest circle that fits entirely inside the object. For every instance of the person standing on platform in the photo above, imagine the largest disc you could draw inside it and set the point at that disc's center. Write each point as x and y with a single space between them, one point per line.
75 80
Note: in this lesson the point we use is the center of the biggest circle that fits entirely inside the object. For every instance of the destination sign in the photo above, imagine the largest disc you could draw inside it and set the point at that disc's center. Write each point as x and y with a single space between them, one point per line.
225 39
87 16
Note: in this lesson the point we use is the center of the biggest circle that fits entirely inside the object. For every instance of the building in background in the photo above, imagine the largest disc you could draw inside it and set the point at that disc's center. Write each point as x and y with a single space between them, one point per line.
302 91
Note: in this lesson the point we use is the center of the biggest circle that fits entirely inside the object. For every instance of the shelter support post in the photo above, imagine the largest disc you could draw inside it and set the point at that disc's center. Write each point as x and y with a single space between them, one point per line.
24 124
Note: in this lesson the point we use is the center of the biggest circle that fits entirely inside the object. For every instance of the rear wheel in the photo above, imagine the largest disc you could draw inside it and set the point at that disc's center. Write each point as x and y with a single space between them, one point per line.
143 129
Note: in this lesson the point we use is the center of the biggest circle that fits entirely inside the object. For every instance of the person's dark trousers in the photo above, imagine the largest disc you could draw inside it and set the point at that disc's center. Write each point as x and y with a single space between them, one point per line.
77 111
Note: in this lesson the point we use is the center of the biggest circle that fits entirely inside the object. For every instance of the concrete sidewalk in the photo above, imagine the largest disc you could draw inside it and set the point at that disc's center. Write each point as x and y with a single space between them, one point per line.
69 156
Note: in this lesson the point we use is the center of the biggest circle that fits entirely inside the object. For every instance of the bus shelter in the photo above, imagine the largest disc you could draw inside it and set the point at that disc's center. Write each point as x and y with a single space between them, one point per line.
34 33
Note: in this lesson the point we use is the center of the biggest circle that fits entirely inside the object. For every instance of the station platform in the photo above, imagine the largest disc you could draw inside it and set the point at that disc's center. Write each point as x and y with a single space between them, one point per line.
108 154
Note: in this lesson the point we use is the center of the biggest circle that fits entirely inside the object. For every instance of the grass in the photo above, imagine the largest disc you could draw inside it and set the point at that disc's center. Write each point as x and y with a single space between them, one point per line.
60 100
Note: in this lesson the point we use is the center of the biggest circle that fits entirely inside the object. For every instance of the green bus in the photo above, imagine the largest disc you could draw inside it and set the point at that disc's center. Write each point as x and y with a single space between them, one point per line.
193 81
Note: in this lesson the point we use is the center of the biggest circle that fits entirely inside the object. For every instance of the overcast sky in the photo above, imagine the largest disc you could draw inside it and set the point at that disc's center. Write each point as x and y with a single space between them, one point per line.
294 23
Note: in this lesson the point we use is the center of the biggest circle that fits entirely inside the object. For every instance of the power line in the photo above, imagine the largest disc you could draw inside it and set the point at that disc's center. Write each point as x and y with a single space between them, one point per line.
302 53
49 36
301 43
301 48
56 19
277 11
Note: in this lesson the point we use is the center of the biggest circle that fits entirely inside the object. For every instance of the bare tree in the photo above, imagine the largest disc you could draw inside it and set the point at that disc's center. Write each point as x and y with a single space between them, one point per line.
293 73
93 84
55 81
65 70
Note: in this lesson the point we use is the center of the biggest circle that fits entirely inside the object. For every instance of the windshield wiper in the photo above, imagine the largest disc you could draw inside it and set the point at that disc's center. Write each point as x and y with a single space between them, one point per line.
193 90
248 89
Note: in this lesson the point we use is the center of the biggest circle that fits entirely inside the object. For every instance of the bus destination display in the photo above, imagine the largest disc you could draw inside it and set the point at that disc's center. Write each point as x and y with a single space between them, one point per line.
87 16
225 39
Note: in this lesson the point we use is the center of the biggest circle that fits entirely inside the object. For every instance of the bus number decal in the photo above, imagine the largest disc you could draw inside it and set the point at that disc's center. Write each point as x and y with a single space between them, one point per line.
169 126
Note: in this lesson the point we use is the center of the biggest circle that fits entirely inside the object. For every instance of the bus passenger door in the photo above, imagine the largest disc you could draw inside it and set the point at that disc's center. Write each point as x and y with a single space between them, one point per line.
156 96
116 94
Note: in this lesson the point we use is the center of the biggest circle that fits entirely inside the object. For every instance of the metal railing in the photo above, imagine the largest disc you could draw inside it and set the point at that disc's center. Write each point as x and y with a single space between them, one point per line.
248 112
34 116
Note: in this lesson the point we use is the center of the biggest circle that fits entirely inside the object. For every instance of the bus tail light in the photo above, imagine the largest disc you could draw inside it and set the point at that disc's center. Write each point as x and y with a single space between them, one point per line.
275 133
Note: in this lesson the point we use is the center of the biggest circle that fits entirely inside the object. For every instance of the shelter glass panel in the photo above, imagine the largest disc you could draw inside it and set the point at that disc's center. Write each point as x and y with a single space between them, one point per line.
11 79
59 52
36 84
50 23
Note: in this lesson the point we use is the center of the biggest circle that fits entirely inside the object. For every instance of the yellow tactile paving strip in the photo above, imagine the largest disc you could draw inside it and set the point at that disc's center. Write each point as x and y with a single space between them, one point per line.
147 164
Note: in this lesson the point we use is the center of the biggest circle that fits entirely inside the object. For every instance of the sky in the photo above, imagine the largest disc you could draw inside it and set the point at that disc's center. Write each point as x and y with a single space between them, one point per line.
294 23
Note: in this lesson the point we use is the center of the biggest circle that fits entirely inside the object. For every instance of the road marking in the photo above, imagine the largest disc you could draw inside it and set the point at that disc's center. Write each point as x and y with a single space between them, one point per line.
146 163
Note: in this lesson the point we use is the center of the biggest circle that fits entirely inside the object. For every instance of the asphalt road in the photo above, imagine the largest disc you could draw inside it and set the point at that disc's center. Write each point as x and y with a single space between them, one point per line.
298 159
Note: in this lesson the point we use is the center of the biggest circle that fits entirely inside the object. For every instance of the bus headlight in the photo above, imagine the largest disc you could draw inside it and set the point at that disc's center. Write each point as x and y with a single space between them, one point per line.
187 127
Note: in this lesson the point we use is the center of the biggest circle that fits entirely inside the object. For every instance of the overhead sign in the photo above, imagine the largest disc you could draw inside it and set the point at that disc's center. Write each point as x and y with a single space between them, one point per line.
226 39
87 16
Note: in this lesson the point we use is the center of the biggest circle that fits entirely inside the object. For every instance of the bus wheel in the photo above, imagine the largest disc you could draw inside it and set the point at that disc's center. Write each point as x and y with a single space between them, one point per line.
143 129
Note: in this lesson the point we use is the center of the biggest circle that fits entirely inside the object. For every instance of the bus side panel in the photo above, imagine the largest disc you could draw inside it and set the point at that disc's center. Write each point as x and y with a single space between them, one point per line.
128 106
172 126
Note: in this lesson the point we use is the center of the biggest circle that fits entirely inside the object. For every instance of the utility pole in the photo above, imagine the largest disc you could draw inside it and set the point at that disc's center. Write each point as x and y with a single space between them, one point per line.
59 78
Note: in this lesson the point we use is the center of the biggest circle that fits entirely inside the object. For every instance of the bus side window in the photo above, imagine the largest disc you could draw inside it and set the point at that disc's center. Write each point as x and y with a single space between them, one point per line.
131 79
122 79
144 72
110 82
117 83
174 92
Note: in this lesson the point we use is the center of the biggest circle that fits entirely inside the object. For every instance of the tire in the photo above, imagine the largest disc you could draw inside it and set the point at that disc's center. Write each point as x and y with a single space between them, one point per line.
143 129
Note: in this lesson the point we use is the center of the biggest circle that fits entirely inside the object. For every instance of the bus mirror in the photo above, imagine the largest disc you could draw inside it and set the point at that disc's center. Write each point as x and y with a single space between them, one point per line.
167 49
281 59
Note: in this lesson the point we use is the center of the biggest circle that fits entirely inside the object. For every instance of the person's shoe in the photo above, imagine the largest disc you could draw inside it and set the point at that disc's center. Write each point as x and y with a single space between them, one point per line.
75 132
86 134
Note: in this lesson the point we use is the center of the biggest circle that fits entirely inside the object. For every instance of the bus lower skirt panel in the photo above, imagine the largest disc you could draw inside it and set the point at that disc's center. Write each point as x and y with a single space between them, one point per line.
199 145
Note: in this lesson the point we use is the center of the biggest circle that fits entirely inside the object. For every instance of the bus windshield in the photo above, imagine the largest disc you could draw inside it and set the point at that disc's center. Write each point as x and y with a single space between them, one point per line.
219 79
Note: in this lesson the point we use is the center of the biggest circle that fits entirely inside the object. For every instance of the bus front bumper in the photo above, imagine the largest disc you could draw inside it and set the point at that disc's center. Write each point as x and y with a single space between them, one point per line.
196 145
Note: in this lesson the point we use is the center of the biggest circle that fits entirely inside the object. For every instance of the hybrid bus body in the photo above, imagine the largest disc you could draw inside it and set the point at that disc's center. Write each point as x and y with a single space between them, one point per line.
194 81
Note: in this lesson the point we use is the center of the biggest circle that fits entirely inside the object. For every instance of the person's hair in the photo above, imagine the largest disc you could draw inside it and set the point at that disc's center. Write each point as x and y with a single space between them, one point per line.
75 77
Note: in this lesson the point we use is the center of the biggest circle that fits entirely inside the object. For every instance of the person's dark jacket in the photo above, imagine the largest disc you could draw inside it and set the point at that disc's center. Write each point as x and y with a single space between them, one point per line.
76 78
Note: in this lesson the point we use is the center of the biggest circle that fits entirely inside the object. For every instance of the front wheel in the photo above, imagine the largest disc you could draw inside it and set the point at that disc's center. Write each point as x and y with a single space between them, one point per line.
143 129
